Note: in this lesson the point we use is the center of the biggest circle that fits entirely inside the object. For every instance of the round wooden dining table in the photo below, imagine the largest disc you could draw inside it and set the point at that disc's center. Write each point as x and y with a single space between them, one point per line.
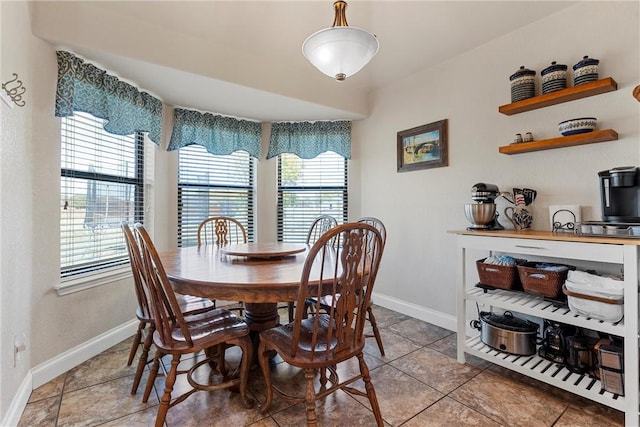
261 278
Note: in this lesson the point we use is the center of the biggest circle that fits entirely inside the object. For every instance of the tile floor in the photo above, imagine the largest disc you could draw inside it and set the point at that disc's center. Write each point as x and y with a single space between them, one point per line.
418 383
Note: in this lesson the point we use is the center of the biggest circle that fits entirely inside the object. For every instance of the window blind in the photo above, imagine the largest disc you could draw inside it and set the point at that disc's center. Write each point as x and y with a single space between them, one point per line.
211 185
308 188
101 185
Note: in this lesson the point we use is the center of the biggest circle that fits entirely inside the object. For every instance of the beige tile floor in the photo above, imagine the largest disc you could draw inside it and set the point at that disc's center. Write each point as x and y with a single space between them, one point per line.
418 383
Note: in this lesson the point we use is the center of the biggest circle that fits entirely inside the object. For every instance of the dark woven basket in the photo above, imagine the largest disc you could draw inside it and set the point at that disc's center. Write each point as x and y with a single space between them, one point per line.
543 282
499 276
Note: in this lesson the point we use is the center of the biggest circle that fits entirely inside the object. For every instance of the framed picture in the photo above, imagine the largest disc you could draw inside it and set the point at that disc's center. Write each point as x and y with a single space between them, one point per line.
423 147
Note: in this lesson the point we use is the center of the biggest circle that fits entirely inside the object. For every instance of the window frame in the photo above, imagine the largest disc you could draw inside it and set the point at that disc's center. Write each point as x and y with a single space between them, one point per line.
305 188
250 188
78 277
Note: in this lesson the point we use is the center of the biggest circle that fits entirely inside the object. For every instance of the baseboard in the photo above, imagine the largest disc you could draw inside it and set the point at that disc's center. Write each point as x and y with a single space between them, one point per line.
437 318
46 371
12 417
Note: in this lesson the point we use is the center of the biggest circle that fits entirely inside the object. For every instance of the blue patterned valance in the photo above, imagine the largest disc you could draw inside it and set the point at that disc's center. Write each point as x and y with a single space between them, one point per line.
308 139
220 135
84 87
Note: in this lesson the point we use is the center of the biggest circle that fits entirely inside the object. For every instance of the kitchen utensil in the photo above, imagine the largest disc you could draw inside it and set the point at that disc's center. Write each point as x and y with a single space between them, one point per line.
522 84
620 194
582 357
478 214
529 195
554 345
554 77
507 333
585 71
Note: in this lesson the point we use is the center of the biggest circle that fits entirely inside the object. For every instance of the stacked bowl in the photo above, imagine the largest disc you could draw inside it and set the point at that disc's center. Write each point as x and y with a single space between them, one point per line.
522 84
554 77
585 71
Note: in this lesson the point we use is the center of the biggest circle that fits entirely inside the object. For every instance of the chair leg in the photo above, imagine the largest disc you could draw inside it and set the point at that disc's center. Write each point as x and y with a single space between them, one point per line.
263 359
292 308
246 344
144 357
165 400
371 393
376 331
310 397
136 342
153 374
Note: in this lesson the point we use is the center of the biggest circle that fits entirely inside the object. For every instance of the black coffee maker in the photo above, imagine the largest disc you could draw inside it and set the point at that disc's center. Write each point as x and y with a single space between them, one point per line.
620 194
554 345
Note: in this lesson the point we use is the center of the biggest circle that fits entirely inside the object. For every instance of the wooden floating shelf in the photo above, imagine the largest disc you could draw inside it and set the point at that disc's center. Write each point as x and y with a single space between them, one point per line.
563 141
564 95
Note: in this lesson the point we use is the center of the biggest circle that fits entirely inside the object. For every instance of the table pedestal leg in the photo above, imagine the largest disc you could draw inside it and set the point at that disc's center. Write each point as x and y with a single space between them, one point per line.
260 317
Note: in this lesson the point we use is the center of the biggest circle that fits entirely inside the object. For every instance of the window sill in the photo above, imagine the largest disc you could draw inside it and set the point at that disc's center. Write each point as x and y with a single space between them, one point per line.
91 280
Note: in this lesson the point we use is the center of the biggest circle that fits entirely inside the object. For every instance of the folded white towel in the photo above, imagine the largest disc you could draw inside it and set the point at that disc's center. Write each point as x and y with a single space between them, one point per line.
593 282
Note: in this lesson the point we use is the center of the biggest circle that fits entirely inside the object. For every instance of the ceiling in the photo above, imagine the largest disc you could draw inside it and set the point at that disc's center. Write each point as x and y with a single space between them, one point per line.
243 58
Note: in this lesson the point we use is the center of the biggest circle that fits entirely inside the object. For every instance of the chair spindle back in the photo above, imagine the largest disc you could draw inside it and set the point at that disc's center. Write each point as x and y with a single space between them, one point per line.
165 307
341 265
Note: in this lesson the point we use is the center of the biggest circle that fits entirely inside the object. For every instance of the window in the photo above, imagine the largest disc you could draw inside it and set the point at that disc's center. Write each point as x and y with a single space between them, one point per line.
210 185
308 188
101 185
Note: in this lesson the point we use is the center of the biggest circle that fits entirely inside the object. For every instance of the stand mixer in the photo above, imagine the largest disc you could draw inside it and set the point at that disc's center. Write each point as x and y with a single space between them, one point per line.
482 215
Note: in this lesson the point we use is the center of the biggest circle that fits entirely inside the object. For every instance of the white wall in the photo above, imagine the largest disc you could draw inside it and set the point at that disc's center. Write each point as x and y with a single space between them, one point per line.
17 206
418 269
420 260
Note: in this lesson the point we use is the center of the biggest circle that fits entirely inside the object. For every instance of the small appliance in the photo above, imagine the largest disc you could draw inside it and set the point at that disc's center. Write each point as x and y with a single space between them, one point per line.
611 358
507 333
483 214
620 194
582 357
554 344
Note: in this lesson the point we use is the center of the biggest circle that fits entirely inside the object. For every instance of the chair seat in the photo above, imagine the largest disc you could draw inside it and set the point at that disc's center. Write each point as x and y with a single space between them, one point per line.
281 338
188 305
207 329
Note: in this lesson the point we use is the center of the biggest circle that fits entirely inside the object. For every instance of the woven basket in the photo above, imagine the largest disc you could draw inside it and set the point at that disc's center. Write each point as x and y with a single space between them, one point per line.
499 276
543 282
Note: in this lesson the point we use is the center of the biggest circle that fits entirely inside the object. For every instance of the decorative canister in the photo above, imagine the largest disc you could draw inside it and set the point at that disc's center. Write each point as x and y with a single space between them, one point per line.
522 84
585 71
554 77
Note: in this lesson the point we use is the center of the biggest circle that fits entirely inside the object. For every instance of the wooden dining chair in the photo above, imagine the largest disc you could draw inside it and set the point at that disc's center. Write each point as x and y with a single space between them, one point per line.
318 343
326 302
379 225
189 305
177 335
222 230
318 227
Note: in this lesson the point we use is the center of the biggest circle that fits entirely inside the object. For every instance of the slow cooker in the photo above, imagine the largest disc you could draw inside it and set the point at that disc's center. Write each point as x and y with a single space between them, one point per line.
507 333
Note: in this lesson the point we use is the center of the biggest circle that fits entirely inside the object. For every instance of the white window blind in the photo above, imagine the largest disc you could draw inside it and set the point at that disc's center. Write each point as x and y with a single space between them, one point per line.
210 185
101 185
308 188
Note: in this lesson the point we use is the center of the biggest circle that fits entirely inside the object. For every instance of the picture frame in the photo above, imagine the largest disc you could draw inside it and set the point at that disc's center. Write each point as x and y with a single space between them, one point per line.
423 147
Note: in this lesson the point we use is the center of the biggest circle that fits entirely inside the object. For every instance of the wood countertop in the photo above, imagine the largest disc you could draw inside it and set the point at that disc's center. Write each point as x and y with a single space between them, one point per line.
548 235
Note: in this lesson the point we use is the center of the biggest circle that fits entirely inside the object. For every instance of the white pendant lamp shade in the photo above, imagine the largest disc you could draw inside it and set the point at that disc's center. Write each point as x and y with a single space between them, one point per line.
340 51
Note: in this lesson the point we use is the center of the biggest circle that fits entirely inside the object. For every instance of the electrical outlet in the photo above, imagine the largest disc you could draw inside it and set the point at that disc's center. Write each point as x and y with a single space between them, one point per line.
19 345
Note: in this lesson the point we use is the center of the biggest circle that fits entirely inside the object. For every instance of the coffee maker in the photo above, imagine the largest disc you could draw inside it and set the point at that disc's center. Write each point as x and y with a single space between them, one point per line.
554 344
620 194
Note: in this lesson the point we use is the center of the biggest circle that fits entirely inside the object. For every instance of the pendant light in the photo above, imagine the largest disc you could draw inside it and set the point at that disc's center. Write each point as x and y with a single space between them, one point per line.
340 51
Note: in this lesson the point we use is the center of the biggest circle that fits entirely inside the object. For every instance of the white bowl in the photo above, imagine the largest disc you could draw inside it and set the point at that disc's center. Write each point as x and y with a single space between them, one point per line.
574 126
